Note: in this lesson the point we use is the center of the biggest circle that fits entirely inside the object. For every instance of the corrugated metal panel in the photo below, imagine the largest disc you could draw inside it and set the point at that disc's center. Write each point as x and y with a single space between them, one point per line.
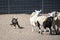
26 6
3 6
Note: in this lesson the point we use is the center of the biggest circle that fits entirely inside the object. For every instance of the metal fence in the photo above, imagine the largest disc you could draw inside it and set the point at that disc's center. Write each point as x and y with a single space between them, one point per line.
27 6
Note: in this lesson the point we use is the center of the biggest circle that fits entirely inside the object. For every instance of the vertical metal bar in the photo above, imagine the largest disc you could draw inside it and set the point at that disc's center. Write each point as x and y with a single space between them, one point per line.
8 7
2 4
42 6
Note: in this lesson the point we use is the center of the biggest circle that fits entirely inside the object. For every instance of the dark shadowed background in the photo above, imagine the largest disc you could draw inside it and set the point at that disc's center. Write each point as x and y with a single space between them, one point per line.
27 6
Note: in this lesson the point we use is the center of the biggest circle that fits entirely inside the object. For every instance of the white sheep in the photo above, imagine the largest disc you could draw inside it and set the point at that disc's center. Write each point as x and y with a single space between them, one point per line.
57 22
40 21
33 18
52 14
45 21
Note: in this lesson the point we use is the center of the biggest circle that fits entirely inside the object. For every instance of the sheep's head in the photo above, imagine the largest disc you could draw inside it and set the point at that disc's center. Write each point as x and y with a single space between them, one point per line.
35 13
38 11
53 14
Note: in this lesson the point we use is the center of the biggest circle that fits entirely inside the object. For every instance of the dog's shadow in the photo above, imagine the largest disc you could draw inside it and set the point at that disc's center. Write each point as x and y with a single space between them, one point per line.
20 27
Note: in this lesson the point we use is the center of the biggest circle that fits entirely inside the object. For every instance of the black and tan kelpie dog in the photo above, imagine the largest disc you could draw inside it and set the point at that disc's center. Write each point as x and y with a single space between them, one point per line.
14 22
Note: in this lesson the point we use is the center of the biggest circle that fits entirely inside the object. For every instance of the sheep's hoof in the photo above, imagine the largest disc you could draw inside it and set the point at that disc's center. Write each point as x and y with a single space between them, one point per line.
39 32
51 33
56 32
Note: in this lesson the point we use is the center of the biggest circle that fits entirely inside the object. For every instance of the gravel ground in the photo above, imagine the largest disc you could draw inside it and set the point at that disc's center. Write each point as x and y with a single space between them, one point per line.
8 32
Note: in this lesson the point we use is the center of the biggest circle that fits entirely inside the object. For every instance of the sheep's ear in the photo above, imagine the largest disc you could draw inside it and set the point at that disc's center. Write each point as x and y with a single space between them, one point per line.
40 10
35 10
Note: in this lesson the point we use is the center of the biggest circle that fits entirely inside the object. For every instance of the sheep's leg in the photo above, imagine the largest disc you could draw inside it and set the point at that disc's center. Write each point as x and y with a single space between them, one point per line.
50 30
32 28
39 29
39 26
44 30
55 28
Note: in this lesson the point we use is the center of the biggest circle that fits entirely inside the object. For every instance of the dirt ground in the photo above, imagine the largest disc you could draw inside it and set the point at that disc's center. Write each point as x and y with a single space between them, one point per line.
8 32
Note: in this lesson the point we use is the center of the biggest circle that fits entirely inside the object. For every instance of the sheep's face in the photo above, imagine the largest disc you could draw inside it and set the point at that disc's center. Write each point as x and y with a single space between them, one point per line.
38 11
53 14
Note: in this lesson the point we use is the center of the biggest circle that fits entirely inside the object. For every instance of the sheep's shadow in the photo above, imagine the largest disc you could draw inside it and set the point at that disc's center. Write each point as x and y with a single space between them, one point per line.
54 33
58 33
